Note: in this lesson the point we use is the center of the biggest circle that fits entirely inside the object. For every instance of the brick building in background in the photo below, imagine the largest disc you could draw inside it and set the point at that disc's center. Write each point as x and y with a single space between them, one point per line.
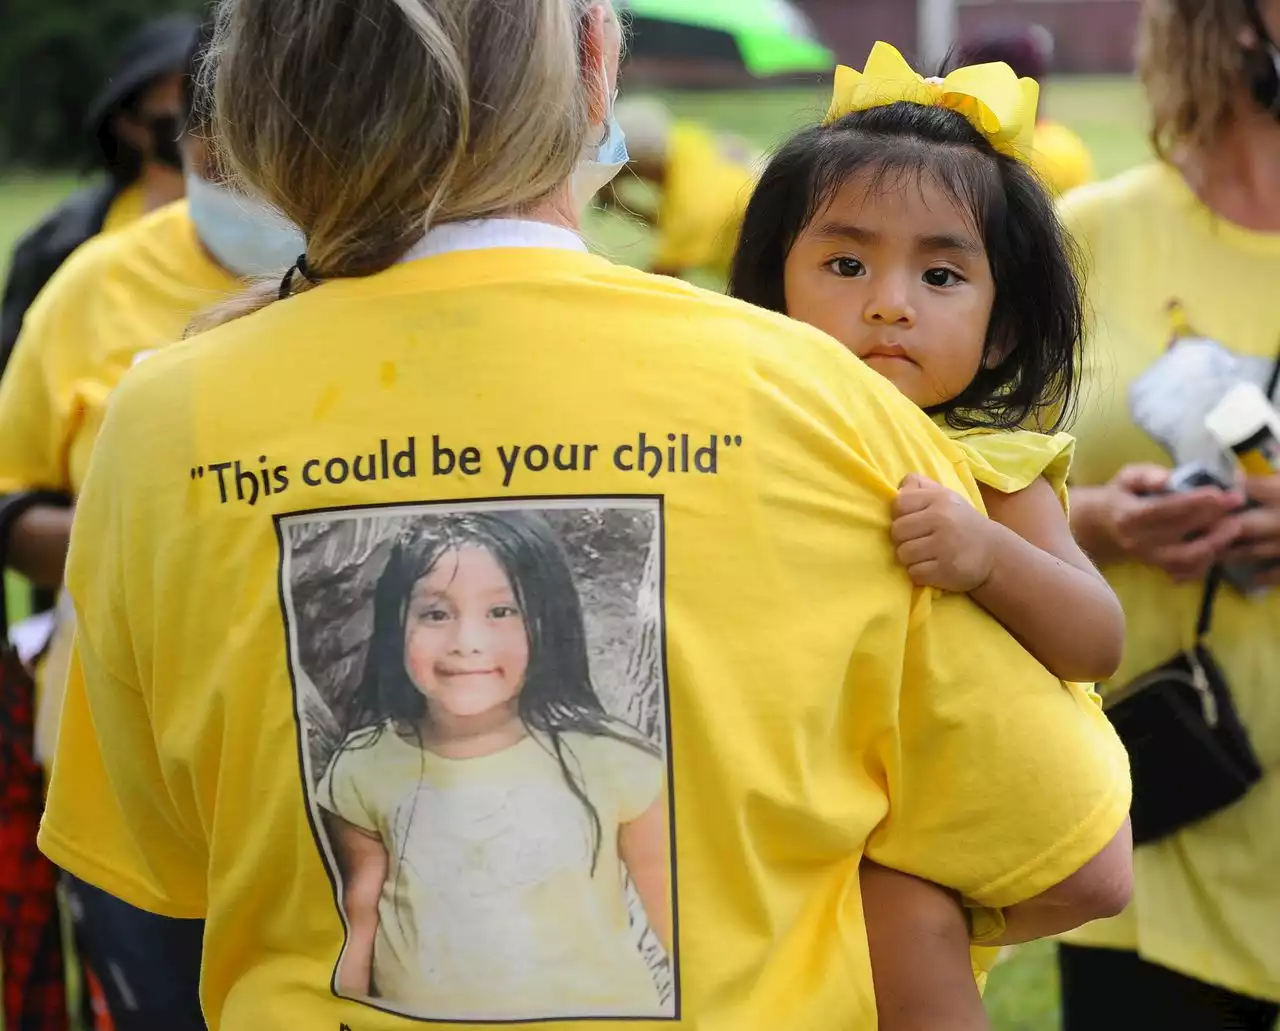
1093 36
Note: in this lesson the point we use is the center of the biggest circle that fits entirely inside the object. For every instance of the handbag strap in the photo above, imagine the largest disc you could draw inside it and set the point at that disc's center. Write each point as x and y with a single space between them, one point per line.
1213 581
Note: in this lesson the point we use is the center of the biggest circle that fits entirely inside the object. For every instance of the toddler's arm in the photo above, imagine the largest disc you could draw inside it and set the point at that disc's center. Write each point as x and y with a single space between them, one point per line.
1022 565
919 941
363 863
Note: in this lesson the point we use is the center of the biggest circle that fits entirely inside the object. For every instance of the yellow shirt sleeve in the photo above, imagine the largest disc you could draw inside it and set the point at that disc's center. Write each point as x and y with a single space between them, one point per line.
1002 782
39 416
1010 461
988 747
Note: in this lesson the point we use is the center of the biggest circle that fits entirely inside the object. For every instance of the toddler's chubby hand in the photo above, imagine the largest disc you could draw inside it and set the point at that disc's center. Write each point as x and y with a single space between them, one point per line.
942 539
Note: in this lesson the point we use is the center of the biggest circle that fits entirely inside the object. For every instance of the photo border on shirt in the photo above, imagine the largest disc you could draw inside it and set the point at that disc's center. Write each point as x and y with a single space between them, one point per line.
439 510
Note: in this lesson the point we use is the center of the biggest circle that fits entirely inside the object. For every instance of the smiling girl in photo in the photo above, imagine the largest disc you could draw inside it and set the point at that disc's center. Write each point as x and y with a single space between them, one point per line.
485 811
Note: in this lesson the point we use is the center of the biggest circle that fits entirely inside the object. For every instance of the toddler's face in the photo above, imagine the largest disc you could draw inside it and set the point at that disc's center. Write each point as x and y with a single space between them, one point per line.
465 643
900 276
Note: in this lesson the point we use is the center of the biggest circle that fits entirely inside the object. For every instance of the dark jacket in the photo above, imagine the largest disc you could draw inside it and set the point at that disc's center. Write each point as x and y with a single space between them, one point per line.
42 251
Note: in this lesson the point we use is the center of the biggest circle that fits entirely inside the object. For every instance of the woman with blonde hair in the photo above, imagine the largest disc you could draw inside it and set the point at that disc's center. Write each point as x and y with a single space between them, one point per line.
360 677
1188 246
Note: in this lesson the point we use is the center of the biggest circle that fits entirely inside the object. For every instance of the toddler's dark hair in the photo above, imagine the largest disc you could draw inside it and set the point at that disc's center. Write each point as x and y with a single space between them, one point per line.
1037 320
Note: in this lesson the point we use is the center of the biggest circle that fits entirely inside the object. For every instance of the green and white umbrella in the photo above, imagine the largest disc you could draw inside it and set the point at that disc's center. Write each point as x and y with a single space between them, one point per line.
768 37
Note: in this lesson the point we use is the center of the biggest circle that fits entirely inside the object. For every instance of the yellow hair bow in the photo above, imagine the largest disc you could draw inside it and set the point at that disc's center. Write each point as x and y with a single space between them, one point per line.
995 101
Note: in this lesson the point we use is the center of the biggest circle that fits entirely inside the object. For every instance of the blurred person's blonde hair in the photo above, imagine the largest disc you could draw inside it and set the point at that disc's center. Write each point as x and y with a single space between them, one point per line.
368 121
1192 66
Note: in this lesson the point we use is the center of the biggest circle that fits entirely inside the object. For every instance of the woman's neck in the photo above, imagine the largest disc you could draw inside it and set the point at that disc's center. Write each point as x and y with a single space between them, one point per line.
556 210
1238 177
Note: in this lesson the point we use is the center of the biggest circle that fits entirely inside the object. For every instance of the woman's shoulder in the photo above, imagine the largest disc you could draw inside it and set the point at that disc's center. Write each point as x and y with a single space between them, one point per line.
777 350
1011 460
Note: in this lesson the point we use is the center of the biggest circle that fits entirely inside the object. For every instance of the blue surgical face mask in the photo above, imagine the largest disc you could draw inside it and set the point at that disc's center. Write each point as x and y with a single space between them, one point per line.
245 235
601 165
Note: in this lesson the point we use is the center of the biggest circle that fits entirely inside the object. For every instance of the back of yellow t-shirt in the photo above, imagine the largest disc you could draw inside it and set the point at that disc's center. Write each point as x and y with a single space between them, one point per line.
510 499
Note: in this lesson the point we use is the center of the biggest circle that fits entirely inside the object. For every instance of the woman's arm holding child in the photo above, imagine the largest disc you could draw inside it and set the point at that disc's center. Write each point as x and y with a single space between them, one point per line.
1022 565
919 941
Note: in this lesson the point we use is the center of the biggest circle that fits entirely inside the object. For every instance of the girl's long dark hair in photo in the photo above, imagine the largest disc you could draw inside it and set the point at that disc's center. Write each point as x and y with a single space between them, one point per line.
1030 370
557 696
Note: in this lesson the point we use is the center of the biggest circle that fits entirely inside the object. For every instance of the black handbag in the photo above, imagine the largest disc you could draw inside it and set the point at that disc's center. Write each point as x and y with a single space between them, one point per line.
1189 753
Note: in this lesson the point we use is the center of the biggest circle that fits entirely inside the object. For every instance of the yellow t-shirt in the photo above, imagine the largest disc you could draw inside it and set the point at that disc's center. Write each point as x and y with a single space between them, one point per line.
118 298
1060 157
381 550
704 200
1206 901
126 209
509 896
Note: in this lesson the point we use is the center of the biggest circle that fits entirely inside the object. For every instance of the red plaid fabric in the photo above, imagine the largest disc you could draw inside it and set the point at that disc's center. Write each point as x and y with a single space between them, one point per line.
35 987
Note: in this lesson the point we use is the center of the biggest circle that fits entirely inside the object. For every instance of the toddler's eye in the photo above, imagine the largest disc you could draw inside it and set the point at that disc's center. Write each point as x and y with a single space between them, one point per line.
847 268
942 277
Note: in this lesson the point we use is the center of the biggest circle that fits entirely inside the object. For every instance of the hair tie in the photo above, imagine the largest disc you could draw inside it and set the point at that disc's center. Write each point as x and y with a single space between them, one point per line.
300 268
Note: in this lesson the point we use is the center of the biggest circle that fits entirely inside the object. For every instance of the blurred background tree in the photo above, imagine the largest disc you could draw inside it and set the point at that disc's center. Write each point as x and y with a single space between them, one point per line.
54 56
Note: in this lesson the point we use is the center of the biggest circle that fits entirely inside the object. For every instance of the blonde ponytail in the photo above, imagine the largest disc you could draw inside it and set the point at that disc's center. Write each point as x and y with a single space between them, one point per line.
367 121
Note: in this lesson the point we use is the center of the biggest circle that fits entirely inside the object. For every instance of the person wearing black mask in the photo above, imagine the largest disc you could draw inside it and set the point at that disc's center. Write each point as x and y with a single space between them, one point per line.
135 123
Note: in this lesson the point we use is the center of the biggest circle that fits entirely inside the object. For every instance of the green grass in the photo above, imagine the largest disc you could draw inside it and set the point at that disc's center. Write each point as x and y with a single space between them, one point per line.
1108 113
1022 994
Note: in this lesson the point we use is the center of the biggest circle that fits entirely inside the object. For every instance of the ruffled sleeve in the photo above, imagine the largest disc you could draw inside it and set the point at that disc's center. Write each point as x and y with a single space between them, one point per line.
1012 460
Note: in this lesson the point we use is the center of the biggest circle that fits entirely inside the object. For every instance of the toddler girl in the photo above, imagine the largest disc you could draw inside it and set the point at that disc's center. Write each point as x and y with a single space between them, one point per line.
908 227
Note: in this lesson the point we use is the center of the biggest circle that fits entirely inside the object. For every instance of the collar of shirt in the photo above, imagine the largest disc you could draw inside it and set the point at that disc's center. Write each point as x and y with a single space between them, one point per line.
492 233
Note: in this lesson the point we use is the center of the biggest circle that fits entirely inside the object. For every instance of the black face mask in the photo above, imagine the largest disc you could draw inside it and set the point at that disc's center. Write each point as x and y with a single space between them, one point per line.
1262 64
165 130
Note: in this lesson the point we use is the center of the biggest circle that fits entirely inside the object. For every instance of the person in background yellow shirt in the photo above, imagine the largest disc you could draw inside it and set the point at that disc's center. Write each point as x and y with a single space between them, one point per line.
1058 154
134 122
1197 231
117 300
702 181
325 670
